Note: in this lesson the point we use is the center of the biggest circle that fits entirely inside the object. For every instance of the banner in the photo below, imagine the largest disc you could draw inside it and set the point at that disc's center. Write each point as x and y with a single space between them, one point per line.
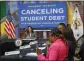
41 14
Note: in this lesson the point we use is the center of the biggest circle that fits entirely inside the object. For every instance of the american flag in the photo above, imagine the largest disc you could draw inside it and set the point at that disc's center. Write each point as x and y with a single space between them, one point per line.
9 26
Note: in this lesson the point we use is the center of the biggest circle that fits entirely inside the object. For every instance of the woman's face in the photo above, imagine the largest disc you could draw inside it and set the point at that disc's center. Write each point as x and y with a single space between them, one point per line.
30 29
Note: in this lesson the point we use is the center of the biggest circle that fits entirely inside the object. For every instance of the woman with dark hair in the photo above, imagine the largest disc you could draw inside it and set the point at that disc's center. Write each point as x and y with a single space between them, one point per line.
29 34
58 50
68 35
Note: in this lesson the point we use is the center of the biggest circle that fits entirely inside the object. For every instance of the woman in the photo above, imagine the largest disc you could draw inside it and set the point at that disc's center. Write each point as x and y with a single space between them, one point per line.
30 34
58 50
68 35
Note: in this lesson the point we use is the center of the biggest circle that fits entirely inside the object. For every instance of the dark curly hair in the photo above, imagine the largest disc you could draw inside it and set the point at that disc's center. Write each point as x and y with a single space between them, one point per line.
56 32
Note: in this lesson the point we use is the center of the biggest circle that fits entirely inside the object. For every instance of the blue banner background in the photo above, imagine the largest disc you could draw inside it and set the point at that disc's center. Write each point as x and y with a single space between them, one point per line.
32 6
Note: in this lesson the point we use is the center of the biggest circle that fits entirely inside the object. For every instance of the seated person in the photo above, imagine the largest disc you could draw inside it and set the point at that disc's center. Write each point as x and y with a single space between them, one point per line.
30 34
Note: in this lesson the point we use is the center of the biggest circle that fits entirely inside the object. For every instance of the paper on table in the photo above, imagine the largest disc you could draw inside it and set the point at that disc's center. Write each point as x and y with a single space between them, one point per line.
41 48
34 42
44 44
29 39
31 54
24 47
12 53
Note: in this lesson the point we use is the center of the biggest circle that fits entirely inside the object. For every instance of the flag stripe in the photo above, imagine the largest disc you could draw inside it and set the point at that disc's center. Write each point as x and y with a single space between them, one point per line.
7 21
9 31
11 34
12 30
6 31
13 27
9 28
6 27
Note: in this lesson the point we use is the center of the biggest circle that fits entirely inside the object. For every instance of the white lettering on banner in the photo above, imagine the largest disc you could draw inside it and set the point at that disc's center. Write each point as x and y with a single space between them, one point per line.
43 11
38 18
33 18
23 12
35 23
56 17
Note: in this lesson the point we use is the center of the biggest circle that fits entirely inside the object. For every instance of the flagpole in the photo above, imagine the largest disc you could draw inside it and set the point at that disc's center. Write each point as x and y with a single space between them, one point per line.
9 9
8 14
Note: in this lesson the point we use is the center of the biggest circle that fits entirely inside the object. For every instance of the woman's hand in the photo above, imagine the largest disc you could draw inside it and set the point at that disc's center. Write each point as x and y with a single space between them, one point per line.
38 51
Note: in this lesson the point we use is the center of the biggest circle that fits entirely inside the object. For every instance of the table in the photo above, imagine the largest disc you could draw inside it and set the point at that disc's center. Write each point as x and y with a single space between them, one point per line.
23 52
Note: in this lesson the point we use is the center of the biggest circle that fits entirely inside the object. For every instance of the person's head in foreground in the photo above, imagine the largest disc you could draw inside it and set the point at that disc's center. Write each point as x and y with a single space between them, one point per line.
58 50
61 26
54 34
